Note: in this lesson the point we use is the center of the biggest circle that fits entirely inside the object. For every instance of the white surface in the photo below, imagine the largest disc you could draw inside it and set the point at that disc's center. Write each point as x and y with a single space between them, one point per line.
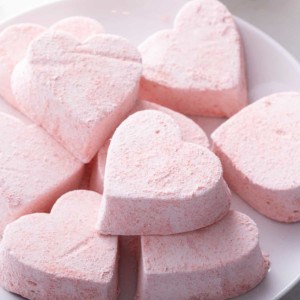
278 18
270 69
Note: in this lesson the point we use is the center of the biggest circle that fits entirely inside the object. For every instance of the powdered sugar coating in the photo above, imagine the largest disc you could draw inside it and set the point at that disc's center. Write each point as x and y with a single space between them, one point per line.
35 170
197 68
190 132
15 39
78 26
263 164
79 92
157 184
60 256
221 261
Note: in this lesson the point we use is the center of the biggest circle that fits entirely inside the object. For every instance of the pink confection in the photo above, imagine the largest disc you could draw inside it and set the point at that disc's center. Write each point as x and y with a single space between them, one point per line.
14 41
190 132
35 170
260 152
78 92
198 67
60 255
155 183
98 169
80 27
221 261
129 247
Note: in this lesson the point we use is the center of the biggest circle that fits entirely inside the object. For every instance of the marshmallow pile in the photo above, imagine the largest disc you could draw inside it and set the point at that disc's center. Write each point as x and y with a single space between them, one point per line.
108 152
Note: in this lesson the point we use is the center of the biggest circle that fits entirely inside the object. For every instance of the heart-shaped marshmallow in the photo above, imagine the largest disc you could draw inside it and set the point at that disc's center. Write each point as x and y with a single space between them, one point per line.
79 27
60 255
218 262
14 41
262 165
190 132
35 170
79 92
197 68
155 183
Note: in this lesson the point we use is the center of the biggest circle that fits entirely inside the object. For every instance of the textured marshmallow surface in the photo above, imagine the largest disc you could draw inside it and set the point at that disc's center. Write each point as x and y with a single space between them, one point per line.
80 27
221 261
14 41
155 183
190 132
79 92
196 68
262 165
60 255
35 170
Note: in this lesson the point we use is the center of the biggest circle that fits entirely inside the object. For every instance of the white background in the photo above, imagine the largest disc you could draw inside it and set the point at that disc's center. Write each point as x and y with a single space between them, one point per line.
278 18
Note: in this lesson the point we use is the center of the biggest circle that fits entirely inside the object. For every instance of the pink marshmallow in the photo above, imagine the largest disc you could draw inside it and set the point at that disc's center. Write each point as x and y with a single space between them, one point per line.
97 166
59 255
260 152
198 67
80 27
35 170
190 132
155 183
217 262
14 41
78 92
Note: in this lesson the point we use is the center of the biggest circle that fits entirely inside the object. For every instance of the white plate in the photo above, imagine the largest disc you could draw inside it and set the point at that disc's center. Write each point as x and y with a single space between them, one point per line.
270 69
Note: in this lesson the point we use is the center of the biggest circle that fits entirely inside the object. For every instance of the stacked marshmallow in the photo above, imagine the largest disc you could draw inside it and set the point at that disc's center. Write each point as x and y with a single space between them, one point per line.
153 165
